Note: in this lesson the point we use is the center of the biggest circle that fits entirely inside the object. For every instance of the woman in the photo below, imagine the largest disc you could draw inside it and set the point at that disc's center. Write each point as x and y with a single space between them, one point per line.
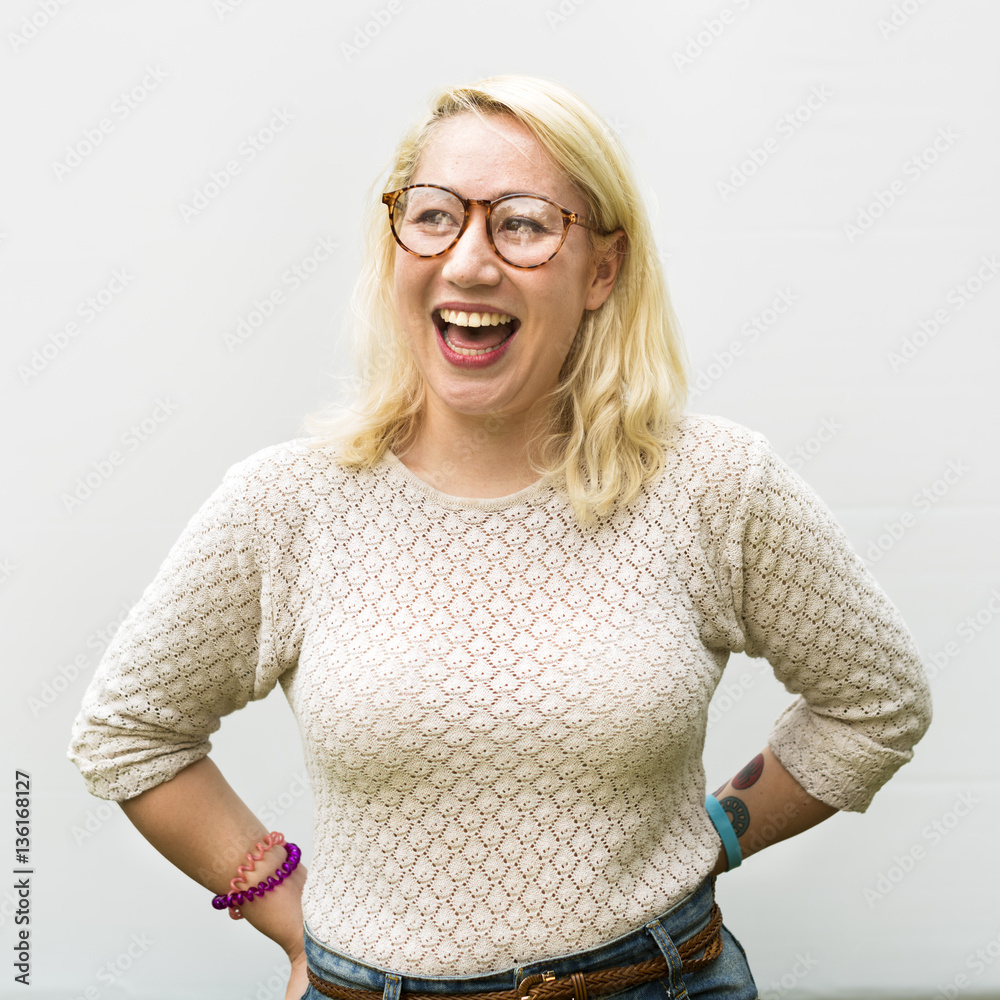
499 601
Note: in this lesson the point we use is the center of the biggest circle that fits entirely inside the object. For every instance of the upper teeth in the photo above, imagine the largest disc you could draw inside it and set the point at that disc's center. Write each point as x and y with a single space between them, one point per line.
474 319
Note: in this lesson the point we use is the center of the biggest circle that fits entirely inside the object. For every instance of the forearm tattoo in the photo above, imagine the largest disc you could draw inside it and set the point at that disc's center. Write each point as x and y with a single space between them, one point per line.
738 814
749 775
736 809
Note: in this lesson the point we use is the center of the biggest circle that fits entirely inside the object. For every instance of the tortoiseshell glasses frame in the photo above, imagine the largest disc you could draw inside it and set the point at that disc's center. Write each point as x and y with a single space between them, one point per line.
390 198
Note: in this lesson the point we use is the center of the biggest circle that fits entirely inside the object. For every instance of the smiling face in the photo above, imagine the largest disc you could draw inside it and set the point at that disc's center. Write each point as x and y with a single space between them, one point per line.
454 309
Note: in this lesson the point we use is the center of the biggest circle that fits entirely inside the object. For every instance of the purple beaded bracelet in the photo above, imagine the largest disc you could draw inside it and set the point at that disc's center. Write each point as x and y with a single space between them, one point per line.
235 899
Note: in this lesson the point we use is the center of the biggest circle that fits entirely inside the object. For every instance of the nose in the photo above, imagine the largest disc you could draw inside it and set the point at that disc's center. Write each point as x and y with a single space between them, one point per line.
471 261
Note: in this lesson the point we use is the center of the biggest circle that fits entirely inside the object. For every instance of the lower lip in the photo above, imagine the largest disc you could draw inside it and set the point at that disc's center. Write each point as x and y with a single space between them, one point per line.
473 360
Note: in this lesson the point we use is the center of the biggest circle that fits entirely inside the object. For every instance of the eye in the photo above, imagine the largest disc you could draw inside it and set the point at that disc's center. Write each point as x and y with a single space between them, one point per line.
430 212
525 221
522 227
432 218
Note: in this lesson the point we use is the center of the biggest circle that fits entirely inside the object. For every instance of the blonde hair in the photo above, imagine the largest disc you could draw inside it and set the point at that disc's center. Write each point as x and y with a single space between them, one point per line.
622 386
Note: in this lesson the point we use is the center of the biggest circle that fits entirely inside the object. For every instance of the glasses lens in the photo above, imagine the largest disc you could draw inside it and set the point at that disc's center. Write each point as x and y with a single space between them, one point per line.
526 231
426 219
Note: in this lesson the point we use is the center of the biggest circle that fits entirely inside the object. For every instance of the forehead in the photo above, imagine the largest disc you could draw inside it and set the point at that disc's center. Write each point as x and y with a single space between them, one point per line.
489 157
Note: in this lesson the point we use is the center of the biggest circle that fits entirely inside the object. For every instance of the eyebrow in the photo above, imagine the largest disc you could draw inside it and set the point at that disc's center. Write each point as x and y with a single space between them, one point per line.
516 191
497 197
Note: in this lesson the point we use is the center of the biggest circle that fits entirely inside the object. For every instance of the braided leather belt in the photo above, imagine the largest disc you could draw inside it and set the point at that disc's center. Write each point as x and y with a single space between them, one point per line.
576 986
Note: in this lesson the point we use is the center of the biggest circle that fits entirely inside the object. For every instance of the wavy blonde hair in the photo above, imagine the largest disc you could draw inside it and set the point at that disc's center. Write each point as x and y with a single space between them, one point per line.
622 385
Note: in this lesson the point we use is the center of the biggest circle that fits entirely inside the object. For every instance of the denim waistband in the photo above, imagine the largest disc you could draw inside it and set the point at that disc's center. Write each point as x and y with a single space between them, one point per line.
680 922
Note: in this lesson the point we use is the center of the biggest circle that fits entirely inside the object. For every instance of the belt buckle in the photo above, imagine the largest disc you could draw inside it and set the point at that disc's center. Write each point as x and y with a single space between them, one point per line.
531 982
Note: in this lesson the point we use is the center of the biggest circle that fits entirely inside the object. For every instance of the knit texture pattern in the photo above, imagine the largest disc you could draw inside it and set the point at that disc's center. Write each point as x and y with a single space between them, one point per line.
503 714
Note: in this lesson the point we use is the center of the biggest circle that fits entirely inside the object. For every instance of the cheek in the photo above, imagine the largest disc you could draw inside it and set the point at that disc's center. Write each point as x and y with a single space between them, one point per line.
568 291
410 282
562 302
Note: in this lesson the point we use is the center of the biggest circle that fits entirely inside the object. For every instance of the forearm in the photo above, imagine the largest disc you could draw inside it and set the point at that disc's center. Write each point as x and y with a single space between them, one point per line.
197 822
766 804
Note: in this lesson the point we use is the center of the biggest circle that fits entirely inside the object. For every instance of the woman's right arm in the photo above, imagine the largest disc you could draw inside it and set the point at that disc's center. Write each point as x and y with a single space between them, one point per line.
207 637
197 822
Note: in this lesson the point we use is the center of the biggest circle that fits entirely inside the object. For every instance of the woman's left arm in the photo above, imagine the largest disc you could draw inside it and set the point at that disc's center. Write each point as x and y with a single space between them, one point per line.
803 599
766 804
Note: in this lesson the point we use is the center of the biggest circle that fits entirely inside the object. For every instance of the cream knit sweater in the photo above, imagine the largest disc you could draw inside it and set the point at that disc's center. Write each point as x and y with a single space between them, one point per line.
503 715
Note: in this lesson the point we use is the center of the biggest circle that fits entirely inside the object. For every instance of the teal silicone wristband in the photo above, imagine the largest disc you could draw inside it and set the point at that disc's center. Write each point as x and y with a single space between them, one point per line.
725 830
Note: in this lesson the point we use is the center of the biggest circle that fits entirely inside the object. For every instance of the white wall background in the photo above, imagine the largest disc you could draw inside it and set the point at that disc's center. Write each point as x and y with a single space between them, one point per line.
897 903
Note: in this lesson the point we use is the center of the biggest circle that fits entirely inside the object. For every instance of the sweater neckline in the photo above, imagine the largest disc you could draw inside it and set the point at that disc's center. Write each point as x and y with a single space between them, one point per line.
401 474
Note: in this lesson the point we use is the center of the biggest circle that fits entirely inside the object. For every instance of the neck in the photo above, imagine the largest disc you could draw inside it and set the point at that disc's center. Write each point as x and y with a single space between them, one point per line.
477 455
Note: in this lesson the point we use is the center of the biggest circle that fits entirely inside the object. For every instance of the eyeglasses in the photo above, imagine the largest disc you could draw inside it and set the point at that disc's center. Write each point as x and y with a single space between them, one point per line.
525 230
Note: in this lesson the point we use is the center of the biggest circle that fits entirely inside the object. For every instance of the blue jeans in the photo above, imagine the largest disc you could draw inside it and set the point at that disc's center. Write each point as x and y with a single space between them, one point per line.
728 976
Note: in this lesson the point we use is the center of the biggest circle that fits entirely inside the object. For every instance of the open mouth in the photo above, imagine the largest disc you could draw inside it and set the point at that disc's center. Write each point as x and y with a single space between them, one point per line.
474 333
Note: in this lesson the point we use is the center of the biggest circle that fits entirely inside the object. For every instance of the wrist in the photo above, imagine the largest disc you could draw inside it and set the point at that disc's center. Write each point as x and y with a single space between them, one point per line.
296 951
730 843
721 864
279 914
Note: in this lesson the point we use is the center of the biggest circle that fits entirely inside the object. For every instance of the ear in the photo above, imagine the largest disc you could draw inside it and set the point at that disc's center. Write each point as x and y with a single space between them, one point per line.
604 270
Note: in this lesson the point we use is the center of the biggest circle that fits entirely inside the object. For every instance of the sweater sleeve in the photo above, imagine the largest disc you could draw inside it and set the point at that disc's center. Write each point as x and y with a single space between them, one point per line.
198 645
804 600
